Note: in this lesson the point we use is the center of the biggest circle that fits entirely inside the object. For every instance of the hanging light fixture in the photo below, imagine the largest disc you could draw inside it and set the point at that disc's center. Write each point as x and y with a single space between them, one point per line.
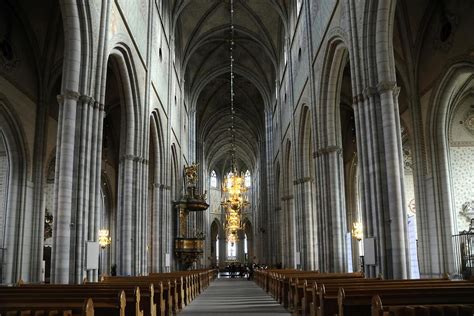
357 231
104 238
233 187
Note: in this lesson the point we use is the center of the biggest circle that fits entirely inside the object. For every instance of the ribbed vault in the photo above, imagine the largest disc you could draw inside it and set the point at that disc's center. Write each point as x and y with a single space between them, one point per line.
202 38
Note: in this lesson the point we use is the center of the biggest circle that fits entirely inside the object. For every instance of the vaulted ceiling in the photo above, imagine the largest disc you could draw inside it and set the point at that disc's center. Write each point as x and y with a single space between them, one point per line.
202 38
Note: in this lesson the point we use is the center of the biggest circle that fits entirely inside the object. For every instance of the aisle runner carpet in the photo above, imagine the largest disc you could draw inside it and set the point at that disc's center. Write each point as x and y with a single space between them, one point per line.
234 297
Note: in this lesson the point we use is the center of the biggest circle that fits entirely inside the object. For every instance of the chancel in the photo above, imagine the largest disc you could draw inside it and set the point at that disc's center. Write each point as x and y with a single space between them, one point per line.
310 157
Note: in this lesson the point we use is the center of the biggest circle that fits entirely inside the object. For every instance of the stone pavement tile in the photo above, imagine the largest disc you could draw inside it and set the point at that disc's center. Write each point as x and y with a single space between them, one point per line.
234 297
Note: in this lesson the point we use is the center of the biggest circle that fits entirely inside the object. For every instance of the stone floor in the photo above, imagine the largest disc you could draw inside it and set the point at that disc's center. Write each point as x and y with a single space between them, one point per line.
234 297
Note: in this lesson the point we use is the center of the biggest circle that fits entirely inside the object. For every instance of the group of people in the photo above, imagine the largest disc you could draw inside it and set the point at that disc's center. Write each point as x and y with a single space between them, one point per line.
243 271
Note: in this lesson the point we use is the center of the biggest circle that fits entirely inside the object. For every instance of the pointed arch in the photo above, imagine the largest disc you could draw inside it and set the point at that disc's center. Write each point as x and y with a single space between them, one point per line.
12 210
213 179
458 80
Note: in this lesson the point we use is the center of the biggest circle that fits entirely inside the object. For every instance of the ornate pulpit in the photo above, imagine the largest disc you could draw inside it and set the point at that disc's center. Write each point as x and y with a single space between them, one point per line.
188 249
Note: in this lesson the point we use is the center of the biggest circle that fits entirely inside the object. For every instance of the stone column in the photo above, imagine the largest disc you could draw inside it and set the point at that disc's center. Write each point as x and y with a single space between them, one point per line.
332 221
64 187
320 177
393 158
299 227
381 165
272 227
222 248
82 209
240 247
308 253
168 237
96 178
156 248
125 218
288 226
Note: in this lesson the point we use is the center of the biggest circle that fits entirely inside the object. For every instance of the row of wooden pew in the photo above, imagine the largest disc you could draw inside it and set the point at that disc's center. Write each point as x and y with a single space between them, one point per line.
156 294
314 293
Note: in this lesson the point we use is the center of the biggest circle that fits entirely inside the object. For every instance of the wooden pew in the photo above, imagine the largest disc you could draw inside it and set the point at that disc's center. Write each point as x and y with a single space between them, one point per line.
357 301
378 309
328 292
187 284
324 294
136 300
160 294
165 295
298 286
21 301
87 309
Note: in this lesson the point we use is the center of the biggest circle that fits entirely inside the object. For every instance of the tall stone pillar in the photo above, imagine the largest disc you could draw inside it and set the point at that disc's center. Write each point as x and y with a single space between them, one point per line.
393 158
308 257
241 247
332 221
381 164
222 249
125 215
155 228
64 187
77 187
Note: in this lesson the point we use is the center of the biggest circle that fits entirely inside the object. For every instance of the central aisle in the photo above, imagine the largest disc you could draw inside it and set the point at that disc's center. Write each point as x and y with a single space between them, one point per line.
234 297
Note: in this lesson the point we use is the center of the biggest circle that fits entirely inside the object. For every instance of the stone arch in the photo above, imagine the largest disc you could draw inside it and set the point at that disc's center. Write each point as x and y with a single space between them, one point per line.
175 183
13 208
155 194
288 210
216 233
308 188
458 80
278 233
337 56
249 233
329 154
128 160
175 189
123 66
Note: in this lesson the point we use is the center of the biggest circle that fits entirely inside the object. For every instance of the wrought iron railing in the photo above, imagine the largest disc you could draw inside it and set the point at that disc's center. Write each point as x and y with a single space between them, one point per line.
463 244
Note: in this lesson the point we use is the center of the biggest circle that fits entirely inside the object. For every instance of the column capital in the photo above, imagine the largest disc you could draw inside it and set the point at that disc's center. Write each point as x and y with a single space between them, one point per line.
86 99
358 98
68 95
302 180
133 158
328 150
386 86
161 186
369 92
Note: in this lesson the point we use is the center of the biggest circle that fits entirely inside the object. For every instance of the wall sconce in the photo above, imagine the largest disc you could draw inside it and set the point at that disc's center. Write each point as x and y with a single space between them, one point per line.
357 231
104 238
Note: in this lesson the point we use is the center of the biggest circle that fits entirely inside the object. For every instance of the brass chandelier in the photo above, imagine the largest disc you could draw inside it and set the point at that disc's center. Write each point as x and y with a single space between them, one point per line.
234 201
233 187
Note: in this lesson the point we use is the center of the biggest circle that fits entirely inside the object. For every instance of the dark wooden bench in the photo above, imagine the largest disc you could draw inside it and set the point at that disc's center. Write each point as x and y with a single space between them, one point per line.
299 285
321 297
50 309
358 302
164 297
22 301
394 309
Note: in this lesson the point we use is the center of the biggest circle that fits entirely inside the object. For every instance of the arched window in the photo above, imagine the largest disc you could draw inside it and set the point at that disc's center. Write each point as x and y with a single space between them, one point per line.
228 183
231 250
213 179
247 179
